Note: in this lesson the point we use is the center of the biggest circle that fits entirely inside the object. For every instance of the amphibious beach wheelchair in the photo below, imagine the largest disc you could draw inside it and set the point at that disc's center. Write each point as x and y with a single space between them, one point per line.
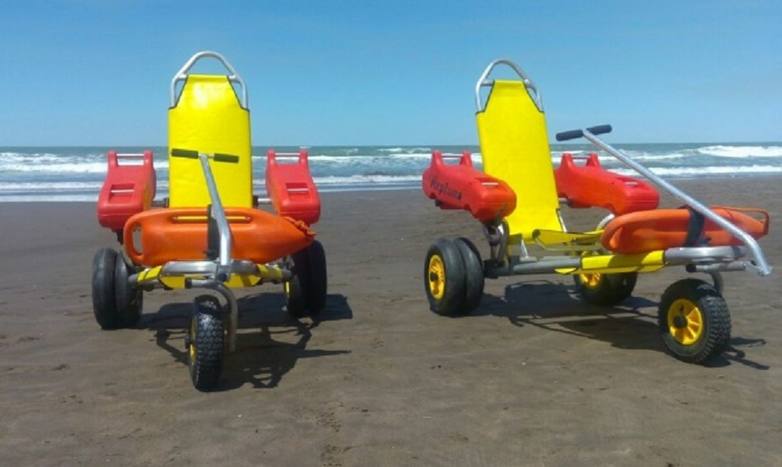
209 233
517 200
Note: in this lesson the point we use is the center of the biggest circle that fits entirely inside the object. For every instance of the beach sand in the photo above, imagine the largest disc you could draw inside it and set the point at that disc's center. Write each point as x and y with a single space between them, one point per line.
533 377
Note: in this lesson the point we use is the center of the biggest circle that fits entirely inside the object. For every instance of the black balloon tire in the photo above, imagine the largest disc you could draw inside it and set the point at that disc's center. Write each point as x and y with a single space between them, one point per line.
612 289
128 298
452 301
104 304
473 270
318 280
306 291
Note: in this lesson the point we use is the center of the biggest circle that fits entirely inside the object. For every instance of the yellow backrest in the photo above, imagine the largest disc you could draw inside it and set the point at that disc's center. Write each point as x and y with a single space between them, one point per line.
208 117
514 148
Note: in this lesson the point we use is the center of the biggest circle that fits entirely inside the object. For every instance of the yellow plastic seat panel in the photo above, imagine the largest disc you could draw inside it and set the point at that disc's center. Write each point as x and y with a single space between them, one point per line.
209 118
514 148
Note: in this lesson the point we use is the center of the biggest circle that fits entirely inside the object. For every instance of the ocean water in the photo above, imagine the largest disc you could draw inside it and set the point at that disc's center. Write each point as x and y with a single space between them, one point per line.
76 173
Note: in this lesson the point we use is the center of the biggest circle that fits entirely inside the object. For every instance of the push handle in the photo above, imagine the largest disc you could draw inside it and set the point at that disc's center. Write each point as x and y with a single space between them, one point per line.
573 134
191 154
225 158
187 153
568 135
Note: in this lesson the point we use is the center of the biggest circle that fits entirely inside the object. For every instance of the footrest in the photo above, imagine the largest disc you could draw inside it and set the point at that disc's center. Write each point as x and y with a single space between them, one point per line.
461 186
129 188
590 185
290 186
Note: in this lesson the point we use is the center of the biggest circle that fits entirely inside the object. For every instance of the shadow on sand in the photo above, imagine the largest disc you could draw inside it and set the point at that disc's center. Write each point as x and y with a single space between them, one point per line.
631 325
262 356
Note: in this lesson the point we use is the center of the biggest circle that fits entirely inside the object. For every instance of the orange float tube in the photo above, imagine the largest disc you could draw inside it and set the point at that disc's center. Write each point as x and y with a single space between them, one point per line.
645 231
181 234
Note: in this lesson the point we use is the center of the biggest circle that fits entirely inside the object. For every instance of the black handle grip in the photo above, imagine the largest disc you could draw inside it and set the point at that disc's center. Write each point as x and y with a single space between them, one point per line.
570 134
225 158
600 129
184 153
573 134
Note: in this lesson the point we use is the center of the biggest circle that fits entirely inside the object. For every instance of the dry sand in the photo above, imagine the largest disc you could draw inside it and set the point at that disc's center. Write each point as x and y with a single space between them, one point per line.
534 377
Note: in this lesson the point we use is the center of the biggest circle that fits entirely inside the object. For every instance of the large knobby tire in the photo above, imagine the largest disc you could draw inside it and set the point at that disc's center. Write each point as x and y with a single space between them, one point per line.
473 273
694 320
206 343
444 278
128 298
605 289
306 291
104 303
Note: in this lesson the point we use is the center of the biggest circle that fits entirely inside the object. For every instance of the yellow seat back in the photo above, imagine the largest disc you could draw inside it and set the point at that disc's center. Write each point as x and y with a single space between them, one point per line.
514 148
208 117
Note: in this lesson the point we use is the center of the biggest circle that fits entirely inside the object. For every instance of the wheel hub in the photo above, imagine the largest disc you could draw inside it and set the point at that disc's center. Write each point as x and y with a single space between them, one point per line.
685 321
679 322
436 277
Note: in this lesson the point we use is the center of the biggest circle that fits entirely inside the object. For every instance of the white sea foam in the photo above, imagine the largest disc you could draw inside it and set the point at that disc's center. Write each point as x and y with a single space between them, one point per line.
713 170
49 186
400 150
366 179
57 165
741 151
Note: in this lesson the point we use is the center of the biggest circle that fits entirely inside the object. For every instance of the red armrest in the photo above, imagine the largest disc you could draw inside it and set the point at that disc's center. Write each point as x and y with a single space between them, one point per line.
129 188
590 185
461 186
290 186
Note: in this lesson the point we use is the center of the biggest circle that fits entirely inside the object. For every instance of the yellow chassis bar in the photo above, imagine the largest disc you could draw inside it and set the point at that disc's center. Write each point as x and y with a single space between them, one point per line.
263 273
645 262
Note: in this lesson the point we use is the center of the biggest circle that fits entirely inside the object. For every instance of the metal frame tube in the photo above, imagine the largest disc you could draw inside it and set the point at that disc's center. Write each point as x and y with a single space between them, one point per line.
181 75
218 212
760 265
483 82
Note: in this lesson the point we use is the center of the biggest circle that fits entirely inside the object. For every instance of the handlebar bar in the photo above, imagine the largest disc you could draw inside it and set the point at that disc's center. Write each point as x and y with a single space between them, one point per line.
191 154
573 134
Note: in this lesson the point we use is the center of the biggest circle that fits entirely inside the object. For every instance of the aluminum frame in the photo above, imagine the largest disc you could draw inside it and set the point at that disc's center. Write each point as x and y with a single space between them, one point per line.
483 81
233 77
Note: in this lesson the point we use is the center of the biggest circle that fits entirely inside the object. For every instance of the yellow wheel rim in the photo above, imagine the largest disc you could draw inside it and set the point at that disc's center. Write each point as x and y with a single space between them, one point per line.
192 347
590 280
685 321
435 276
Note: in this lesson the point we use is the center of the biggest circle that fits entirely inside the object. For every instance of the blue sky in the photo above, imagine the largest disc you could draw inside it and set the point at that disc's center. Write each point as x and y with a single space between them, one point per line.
90 72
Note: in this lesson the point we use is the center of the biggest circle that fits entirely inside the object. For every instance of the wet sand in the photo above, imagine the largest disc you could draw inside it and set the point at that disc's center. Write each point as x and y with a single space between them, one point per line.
533 377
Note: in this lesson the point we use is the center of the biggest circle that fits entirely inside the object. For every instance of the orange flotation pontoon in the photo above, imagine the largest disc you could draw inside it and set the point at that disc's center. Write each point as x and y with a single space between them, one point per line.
181 235
660 229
